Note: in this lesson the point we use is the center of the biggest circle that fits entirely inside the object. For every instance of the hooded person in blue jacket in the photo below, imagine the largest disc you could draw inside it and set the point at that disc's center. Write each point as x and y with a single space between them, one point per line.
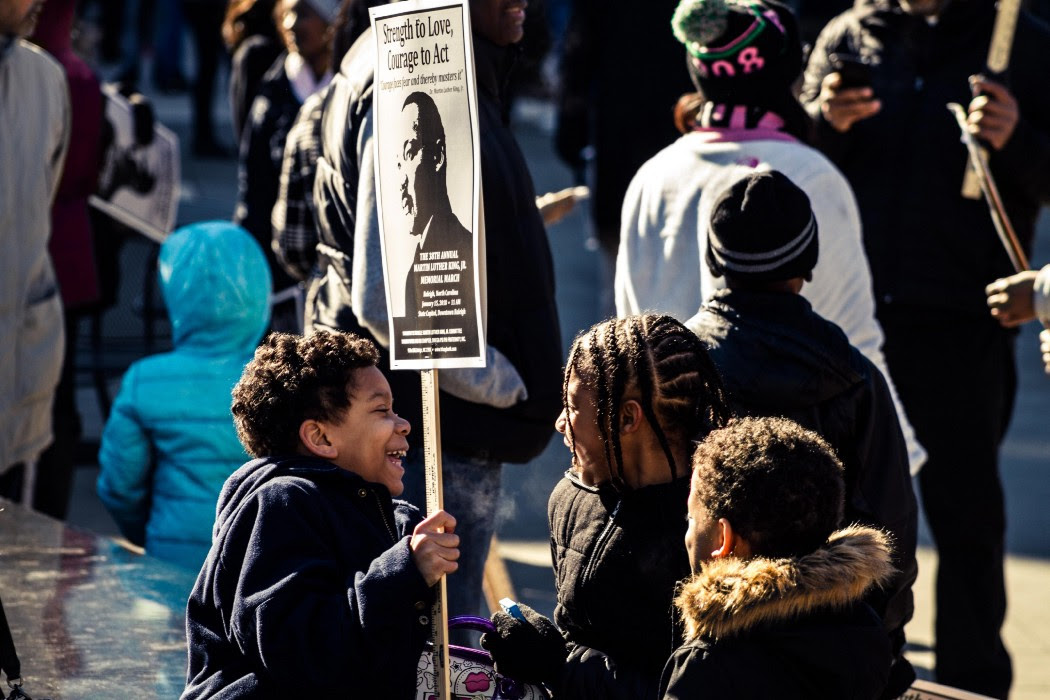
170 442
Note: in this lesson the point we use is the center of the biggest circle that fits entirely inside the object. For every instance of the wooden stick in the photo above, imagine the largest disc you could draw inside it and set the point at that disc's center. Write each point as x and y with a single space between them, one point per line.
496 583
435 502
991 193
997 62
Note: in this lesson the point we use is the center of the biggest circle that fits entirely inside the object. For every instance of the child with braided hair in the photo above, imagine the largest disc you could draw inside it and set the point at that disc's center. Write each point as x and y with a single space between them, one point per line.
638 392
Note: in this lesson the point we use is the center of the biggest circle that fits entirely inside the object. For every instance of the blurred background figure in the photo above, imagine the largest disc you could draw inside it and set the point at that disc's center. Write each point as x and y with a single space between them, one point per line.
304 68
34 120
615 103
71 246
170 442
294 215
250 33
204 18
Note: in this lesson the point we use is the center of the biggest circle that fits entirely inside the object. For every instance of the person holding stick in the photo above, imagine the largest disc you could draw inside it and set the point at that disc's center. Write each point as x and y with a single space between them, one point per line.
638 391
877 84
317 582
489 416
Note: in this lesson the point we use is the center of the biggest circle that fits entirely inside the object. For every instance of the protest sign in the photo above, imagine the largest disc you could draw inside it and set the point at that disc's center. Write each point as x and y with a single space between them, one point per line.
139 181
428 183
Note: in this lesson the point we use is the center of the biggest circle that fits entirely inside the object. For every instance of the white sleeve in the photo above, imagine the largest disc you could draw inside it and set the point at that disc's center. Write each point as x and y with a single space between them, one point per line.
367 291
1041 298
841 290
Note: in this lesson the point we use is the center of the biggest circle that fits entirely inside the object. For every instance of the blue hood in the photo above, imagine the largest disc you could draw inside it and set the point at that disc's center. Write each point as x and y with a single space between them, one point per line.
216 284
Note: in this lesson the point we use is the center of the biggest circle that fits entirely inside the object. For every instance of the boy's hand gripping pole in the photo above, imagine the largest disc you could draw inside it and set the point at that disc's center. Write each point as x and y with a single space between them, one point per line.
991 193
435 502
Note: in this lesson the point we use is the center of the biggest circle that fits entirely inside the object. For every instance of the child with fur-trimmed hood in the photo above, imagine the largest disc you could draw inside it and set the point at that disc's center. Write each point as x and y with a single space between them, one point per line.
775 604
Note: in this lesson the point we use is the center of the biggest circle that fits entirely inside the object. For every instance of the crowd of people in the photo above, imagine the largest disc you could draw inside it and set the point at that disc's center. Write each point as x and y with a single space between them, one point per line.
809 312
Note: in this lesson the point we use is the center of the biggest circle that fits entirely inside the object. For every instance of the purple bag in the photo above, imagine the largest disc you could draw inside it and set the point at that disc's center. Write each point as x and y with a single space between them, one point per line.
471 675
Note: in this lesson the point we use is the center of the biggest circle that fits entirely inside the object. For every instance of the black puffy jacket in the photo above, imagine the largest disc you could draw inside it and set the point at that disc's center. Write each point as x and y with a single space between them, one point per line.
617 560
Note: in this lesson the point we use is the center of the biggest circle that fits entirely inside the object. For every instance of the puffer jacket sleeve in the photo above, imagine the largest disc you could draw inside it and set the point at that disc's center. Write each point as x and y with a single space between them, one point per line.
590 673
295 615
125 461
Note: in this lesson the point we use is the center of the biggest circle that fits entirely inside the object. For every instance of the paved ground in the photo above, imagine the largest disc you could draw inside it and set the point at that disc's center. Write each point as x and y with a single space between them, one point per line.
209 190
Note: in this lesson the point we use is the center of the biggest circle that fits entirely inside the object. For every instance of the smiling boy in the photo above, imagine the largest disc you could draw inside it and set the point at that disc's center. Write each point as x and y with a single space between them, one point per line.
317 581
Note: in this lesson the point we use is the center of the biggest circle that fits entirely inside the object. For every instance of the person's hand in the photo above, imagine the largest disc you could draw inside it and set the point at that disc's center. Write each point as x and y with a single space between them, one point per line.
844 107
555 206
1044 348
1010 298
435 547
530 650
993 112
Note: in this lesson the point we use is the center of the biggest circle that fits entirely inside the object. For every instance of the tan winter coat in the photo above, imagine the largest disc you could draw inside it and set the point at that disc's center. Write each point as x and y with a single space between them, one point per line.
34 134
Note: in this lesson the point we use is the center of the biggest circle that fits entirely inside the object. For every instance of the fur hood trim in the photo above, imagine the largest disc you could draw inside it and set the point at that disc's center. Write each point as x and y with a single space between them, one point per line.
731 596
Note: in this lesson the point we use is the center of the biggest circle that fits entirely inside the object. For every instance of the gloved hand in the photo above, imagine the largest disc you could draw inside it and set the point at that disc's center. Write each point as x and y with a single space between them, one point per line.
530 650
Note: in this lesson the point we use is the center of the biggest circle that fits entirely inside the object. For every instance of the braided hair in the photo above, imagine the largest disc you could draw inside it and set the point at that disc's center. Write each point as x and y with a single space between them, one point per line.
662 364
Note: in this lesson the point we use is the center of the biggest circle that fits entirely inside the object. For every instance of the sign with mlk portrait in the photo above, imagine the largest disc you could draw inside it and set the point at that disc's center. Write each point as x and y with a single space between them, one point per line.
428 183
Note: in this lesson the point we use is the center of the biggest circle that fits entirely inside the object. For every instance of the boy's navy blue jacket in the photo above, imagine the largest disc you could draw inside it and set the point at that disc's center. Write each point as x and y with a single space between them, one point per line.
309 590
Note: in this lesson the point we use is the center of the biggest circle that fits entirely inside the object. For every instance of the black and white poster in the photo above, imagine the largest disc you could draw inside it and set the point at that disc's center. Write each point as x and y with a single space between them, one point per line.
428 183
139 181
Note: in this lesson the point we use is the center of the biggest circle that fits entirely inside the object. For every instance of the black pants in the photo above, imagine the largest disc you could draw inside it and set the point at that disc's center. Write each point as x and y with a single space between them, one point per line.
956 377
54 469
204 18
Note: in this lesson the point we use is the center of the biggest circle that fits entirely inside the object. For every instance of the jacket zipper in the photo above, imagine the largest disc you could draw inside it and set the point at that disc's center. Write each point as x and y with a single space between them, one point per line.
598 546
386 522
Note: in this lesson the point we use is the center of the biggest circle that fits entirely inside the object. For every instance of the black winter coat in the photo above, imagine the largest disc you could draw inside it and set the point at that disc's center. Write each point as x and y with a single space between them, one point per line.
779 358
791 629
522 316
309 589
928 246
261 153
617 560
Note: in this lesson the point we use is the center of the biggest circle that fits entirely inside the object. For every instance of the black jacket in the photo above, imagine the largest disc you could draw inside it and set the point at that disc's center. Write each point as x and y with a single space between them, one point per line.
778 358
791 628
261 153
617 559
309 589
927 245
522 316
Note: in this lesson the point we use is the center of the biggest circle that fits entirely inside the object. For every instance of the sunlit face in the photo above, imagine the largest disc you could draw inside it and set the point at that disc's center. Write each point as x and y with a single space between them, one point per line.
499 21
370 439
19 17
306 32
703 535
581 418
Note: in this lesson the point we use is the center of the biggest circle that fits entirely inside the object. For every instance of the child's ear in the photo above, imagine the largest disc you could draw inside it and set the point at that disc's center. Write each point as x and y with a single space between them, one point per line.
732 543
312 435
631 416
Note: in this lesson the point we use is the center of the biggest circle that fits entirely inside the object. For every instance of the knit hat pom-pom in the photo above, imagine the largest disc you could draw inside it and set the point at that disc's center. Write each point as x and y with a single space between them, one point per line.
699 22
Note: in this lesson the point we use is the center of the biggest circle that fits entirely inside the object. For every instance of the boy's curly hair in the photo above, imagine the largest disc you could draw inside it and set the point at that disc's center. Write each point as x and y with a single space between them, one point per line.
292 379
780 485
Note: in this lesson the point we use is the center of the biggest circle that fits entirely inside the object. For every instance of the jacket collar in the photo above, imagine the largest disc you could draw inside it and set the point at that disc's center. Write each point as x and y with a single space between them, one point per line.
732 596
492 68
